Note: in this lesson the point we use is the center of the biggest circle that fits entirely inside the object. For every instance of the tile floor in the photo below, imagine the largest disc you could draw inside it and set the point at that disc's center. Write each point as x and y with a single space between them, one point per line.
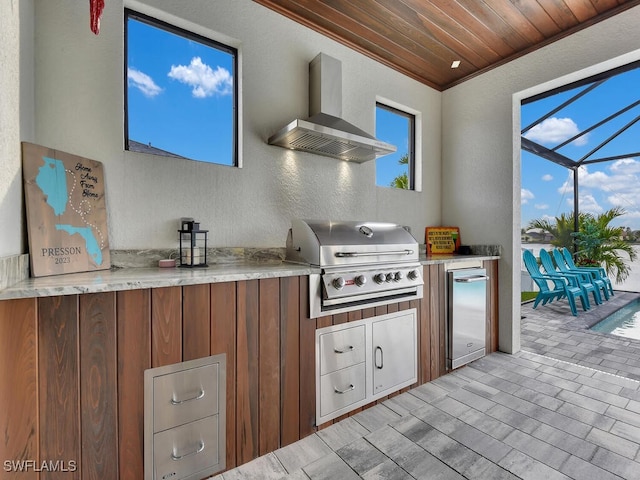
566 406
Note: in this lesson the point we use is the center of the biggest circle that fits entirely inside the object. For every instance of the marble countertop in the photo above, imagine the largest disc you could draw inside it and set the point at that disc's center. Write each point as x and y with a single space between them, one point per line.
153 277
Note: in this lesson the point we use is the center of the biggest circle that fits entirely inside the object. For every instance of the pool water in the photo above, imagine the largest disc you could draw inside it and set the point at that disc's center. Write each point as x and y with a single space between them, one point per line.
624 323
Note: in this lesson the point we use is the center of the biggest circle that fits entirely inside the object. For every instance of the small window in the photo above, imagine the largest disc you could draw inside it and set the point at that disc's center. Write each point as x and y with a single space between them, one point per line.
180 93
398 128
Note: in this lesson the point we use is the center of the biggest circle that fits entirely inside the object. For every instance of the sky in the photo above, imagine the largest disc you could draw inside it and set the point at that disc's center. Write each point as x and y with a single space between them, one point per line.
547 188
394 129
180 94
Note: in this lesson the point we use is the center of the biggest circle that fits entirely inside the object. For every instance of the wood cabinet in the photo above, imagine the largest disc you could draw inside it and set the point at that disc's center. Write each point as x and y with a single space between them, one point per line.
72 367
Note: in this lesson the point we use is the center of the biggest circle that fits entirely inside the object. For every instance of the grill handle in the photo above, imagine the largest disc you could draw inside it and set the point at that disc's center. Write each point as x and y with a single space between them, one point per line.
373 254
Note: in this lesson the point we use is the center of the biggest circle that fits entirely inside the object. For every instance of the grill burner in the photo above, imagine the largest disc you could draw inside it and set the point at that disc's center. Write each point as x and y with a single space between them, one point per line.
363 264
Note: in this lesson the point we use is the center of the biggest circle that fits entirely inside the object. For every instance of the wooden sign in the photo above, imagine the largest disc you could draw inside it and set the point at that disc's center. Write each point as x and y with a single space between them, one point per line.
442 239
66 212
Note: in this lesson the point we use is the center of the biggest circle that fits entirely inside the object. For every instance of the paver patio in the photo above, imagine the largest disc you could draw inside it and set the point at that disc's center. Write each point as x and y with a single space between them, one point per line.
566 406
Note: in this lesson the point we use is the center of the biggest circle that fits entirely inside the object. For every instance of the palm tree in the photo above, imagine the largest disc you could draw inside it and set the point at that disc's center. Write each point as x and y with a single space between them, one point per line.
402 181
598 242
562 230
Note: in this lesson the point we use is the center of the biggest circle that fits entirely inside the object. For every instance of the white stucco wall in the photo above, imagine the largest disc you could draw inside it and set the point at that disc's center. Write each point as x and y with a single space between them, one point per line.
79 109
481 151
16 34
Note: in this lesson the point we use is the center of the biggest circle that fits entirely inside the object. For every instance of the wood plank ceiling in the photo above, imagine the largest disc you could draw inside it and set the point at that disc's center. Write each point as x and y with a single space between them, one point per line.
421 38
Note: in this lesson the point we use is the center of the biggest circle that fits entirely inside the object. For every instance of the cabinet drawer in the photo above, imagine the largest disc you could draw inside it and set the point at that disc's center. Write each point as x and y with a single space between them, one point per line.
185 396
186 450
341 349
342 388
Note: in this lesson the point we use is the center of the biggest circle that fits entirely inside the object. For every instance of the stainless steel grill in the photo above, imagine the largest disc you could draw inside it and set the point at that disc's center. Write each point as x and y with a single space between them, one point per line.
363 264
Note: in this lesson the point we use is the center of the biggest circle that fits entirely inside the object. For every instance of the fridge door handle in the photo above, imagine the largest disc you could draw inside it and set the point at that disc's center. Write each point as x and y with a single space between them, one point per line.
472 278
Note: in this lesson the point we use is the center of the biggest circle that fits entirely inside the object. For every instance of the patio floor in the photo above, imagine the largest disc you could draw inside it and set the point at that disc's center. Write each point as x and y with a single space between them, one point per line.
566 406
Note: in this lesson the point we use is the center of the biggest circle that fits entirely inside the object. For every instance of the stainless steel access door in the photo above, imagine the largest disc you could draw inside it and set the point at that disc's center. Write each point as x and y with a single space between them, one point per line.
467 315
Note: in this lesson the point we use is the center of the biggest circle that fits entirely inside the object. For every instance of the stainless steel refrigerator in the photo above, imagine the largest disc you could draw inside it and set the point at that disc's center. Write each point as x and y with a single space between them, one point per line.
466 315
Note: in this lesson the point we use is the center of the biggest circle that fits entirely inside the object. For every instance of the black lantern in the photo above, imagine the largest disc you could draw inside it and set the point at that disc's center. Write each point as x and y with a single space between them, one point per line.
193 245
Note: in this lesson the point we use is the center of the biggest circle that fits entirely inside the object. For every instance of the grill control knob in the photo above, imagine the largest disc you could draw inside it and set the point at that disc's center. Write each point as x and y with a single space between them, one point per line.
412 275
389 277
398 276
360 280
379 278
338 283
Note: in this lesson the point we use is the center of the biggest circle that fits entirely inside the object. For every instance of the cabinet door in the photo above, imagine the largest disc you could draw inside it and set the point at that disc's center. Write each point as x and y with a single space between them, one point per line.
394 356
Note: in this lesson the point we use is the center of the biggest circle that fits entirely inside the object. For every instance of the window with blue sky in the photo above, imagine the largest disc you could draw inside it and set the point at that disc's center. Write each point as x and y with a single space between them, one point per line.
181 93
397 128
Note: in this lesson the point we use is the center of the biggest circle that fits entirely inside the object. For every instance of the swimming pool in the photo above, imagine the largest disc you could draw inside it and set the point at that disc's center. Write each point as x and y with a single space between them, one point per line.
624 323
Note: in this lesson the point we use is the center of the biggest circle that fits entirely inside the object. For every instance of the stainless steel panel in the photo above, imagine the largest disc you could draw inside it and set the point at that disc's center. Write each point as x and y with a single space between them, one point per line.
186 451
341 389
341 349
394 346
341 283
213 368
327 243
325 132
185 396
467 315
319 306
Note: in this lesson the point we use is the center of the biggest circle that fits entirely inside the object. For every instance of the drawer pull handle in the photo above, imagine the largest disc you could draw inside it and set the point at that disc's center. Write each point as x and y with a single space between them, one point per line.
175 457
348 389
347 349
180 402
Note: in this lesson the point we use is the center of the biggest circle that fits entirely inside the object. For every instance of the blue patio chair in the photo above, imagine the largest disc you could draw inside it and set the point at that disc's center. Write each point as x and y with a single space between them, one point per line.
598 272
562 286
582 280
598 283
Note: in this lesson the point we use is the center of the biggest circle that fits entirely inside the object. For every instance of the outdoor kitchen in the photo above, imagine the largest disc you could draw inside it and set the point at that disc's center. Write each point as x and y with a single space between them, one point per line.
165 317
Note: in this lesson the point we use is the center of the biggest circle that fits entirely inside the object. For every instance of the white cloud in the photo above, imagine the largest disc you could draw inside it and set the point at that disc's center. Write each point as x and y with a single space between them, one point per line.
526 195
541 206
588 204
620 187
625 199
626 166
547 178
143 82
204 80
554 131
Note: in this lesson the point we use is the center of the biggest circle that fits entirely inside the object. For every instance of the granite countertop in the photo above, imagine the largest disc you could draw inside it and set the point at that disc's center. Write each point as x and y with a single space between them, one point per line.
131 278
151 277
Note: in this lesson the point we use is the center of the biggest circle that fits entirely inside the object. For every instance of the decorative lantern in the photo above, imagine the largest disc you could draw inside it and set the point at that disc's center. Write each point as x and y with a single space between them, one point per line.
193 245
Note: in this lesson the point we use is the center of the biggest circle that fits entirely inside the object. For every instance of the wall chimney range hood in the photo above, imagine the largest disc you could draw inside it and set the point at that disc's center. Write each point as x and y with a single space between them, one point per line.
325 132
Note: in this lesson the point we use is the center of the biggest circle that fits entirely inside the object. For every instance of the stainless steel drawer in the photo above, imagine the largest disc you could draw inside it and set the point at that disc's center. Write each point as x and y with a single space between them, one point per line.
342 388
341 349
186 450
185 396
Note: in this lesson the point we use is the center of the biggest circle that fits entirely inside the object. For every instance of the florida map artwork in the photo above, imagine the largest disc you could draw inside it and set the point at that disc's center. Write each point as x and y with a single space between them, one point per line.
66 212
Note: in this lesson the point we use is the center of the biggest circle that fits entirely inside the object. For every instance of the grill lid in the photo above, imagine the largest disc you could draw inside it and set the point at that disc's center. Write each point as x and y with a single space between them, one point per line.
327 243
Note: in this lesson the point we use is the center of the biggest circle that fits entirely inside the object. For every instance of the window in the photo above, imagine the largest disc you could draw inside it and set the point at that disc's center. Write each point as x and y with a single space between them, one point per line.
398 128
181 93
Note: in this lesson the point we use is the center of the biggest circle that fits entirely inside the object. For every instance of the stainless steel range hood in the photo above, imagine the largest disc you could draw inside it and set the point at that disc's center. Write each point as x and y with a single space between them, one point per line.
325 132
